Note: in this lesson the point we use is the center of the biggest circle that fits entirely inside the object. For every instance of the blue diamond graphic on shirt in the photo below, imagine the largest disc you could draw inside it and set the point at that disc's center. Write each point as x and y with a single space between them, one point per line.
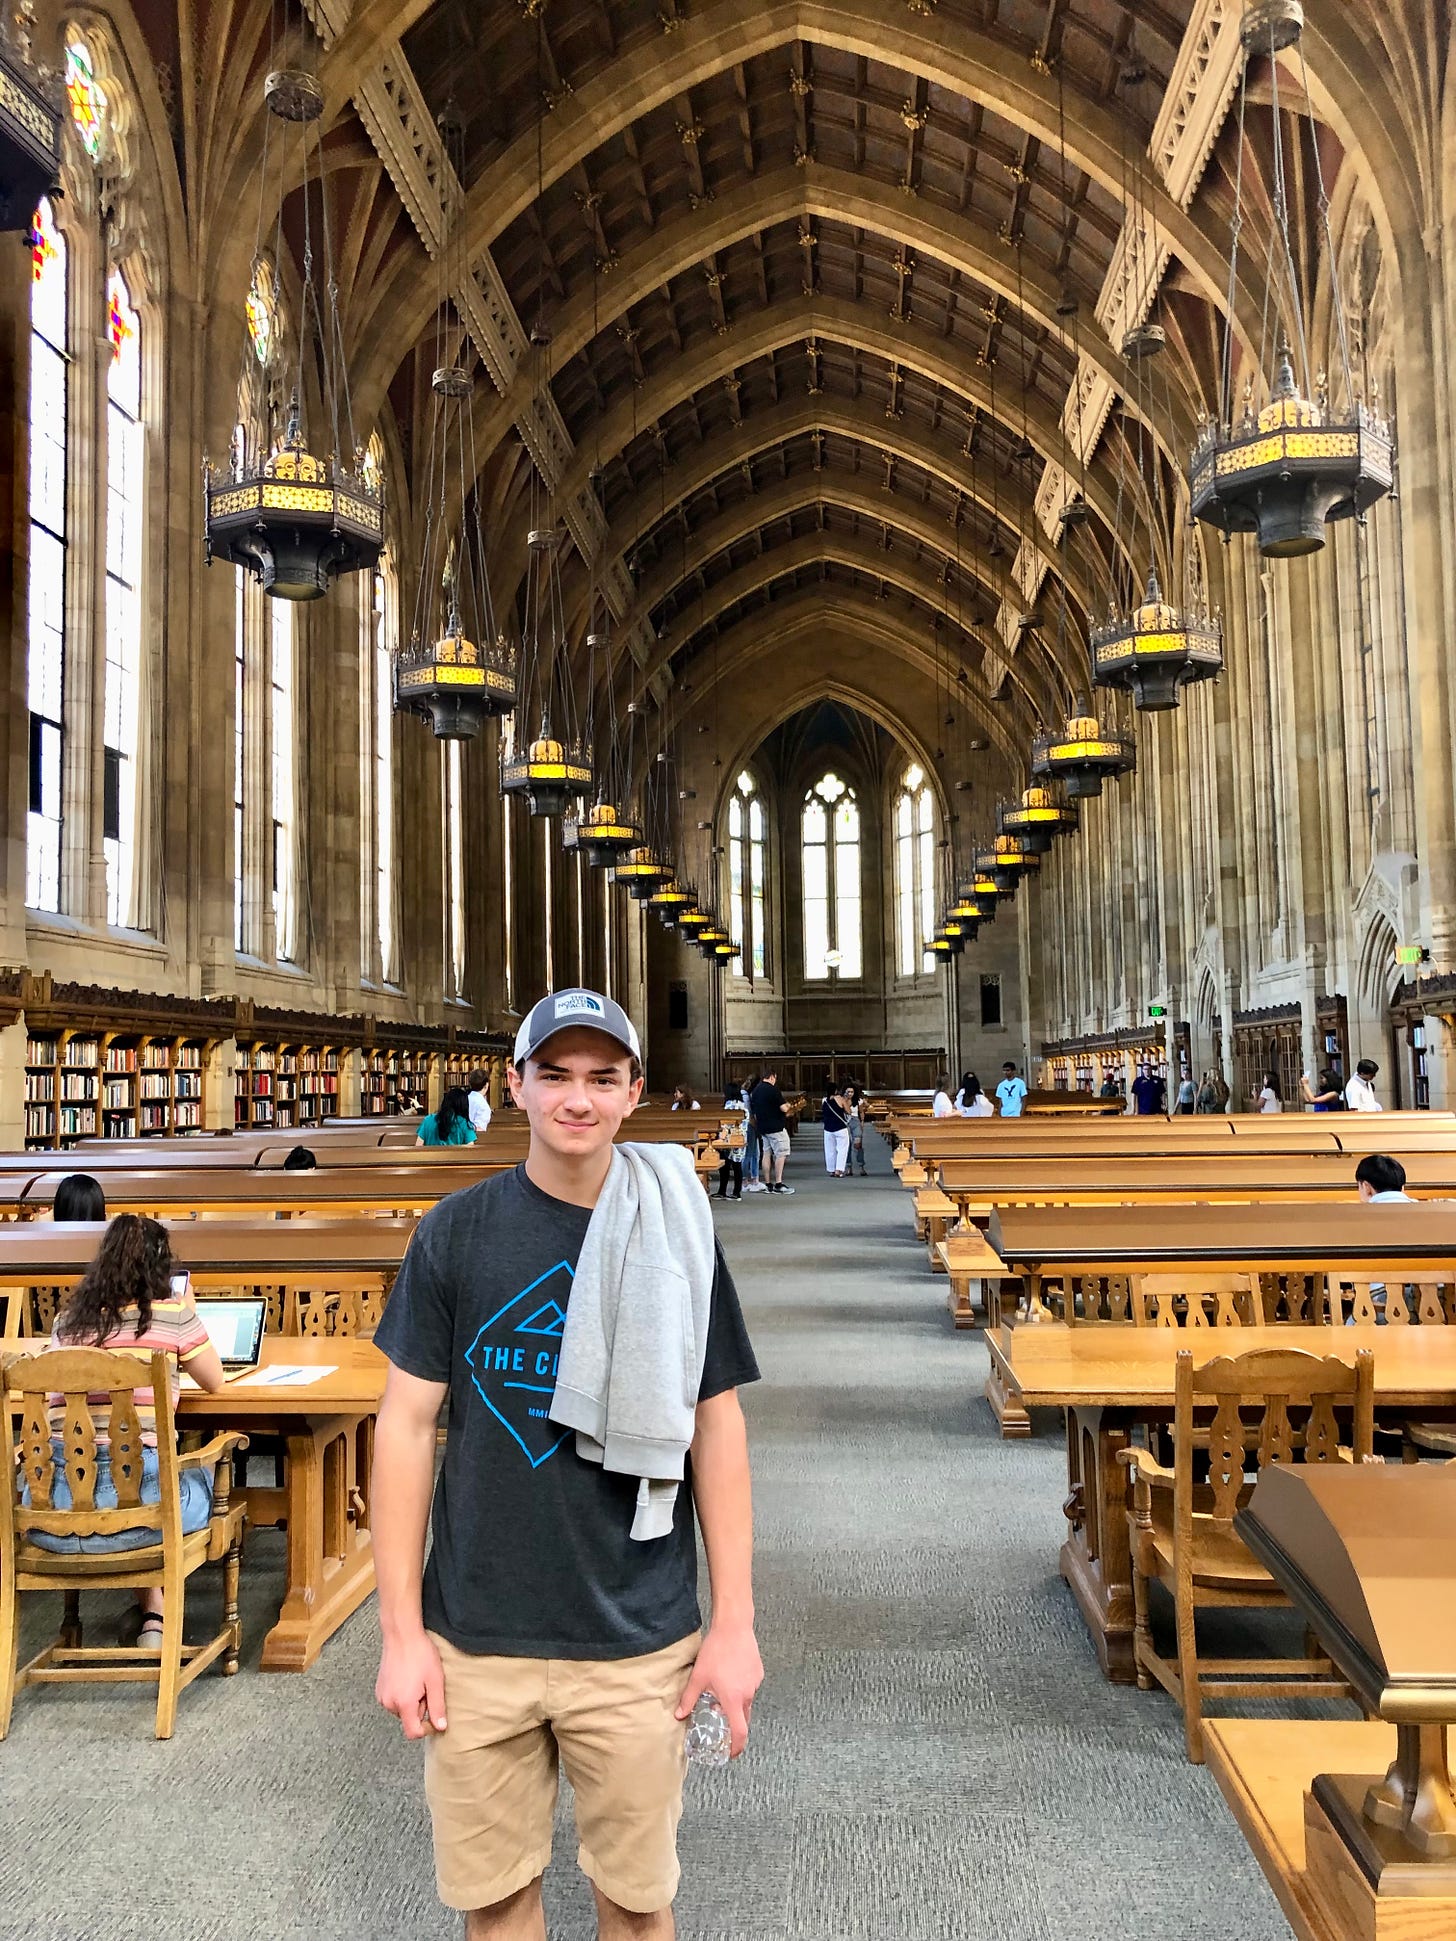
512 1363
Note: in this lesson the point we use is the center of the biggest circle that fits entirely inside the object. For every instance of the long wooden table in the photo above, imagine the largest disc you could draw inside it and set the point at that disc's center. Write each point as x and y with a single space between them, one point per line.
1043 1243
1112 1380
1264 1768
328 1433
44 1250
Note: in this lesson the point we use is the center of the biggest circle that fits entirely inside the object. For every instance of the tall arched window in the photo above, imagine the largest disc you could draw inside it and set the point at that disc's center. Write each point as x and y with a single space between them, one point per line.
240 716
914 871
284 724
830 829
46 648
377 713
454 872
124 513
747 879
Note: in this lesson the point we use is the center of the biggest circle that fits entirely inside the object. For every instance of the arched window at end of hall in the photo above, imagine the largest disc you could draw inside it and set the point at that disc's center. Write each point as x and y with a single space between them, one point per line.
284 726
748 879
125 509
453 792
46 646
380 622
914 872
831 871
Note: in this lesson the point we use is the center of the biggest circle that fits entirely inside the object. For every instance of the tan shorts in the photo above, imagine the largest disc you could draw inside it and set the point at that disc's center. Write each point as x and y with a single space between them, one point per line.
490 1777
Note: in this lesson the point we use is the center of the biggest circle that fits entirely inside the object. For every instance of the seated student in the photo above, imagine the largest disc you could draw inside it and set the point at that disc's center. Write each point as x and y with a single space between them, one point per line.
133 1298
1380 1178
683 1100
300 1160
942 1106
449 1124
79 1197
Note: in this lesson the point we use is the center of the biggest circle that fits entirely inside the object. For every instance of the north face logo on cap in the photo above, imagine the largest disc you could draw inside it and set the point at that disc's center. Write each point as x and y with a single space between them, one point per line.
575 1003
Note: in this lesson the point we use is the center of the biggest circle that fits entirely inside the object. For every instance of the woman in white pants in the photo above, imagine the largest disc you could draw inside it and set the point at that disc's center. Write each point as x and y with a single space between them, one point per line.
835 1115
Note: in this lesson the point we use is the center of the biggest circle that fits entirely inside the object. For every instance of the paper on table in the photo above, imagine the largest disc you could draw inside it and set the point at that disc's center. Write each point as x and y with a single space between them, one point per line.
294 1377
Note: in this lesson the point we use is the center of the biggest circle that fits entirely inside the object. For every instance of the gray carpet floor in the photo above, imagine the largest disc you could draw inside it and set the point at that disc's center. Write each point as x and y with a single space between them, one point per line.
935 1755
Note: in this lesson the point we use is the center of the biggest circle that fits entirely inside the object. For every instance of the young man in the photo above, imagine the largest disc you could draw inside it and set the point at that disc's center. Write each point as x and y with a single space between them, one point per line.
479 1103
766 1113
1011 1092
1360 1092
1148 1092
557 1617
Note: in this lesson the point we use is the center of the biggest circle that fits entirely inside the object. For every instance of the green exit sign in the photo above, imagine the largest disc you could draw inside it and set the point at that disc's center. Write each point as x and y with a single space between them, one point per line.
1410 954
1157 1010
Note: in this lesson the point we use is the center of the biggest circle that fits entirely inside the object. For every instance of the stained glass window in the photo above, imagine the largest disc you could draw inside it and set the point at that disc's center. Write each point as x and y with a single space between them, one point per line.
285 783
914 872
45 660
747 879
86 96
833 945
124 508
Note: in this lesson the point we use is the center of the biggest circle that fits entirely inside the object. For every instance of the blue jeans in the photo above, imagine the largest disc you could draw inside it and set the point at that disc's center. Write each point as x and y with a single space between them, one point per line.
750 1154
196 1505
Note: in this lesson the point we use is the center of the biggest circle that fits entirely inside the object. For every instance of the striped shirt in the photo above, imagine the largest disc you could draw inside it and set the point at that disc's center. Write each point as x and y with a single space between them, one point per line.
175 1330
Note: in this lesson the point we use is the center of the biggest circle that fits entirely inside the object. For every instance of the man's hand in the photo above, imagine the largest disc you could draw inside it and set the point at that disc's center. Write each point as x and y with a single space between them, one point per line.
728 1666
411 1684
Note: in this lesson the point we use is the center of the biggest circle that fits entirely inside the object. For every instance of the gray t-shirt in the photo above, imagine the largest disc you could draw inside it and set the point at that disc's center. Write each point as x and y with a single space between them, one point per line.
532 1555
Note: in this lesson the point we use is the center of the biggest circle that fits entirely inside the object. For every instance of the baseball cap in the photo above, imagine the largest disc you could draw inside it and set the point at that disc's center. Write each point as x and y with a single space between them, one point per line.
560 1010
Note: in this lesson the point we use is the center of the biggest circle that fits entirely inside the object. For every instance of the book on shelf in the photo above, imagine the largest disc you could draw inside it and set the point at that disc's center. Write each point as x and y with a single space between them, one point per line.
40 1051
188 1058
78 1121
120 1058
78 1085
81 1051
117 1095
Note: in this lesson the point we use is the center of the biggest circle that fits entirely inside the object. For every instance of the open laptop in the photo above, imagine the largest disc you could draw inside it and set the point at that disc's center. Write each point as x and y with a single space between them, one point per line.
236 1328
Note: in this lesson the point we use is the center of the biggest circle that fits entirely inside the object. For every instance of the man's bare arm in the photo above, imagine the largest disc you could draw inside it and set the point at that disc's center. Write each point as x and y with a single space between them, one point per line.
411 1683
728 1664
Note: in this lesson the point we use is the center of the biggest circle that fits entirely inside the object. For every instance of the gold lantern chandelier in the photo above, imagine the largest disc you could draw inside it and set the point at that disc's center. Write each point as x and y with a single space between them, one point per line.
1309 455
294 519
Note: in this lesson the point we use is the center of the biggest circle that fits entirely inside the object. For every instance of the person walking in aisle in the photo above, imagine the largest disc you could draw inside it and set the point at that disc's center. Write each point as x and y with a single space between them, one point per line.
834 1115
1149 1094
545 1310
766 1111
735 1119
855 1095
1360 1092
1011 1092
753 1151
1187 1096
476 1085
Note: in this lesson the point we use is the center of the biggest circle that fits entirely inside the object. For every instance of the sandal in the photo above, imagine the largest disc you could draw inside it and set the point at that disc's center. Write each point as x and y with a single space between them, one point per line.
149 1637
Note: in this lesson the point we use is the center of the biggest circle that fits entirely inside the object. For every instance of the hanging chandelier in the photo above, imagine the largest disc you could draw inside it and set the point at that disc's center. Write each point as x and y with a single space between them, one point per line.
641 871
1285 471
553 768
1038 818
30 124
294 520
459 669
1156 650
1007 863
1081 756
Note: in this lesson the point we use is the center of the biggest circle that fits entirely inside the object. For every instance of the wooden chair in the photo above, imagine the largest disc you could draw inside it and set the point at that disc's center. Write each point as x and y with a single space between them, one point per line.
1231 1417
1297 1297
77 1374
1098 1297
1428 1304
1201 1301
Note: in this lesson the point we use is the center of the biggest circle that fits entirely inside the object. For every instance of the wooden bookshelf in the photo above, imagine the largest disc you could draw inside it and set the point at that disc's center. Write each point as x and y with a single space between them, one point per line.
111 1085
285 1087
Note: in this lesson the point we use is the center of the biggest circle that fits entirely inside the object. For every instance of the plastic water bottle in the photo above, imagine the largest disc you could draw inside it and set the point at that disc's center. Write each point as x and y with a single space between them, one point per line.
708 1736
